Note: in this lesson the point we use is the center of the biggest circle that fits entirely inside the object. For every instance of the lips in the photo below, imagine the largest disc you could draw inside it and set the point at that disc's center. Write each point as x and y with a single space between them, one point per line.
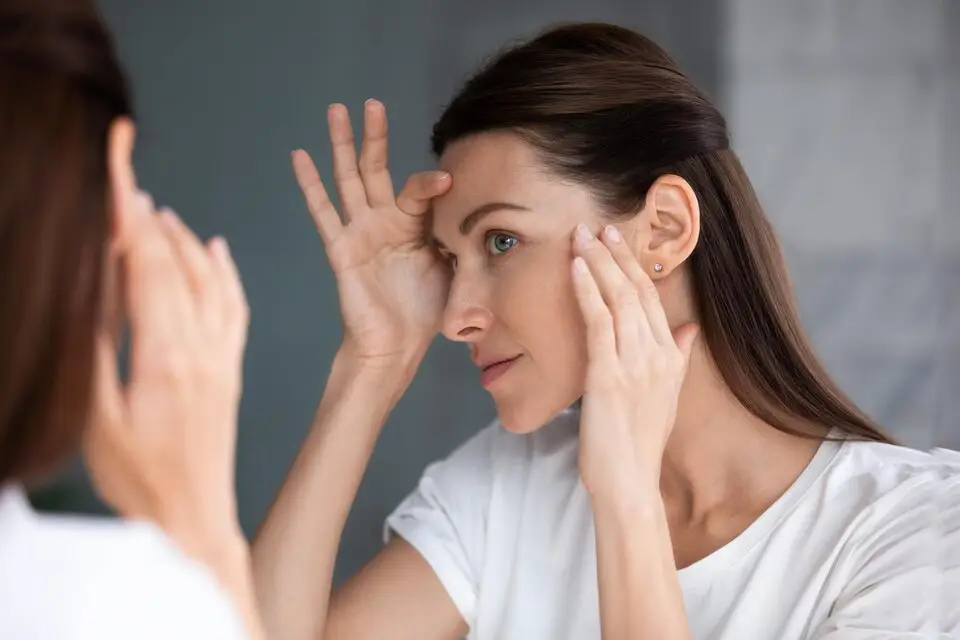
493 363
492 370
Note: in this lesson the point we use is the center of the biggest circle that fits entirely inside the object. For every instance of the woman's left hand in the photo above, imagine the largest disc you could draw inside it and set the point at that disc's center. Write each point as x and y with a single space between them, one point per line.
636 366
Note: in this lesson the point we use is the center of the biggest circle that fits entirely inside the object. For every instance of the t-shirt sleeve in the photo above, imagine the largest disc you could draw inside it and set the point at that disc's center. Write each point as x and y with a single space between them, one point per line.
444 518
896 583
151 591
948 521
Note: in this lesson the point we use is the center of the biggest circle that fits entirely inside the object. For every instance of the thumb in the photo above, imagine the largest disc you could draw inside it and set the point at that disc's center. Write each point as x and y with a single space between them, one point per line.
685 337
414 198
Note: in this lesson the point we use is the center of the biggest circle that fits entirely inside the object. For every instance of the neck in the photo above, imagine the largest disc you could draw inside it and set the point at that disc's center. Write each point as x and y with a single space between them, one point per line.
721 456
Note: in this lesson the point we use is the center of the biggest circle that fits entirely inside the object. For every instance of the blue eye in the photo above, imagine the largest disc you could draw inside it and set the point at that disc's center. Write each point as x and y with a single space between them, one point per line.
499 243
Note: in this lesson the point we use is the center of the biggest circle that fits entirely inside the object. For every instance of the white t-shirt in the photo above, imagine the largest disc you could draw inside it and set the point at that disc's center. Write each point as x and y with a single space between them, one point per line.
852 550
72 578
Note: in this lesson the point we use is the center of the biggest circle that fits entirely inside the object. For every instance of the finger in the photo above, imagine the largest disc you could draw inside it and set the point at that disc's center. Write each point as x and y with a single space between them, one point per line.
236 311
373 155
420 189
159 303
346 173
110 407
642 283
632 329
195 262
110 438
321 209
601 340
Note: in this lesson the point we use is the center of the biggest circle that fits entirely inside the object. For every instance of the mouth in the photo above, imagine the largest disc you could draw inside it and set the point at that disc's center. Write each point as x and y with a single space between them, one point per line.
494 370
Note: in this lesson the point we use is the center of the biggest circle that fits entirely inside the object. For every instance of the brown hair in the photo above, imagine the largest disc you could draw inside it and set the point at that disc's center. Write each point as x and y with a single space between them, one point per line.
61 87
608 108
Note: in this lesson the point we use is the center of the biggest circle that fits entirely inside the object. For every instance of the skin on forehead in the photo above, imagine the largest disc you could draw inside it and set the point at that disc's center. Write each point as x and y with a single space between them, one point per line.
500 167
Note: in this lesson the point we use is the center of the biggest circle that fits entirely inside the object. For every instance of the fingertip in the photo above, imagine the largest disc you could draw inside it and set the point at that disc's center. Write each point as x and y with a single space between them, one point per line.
440 181
219 248
145 202
579 267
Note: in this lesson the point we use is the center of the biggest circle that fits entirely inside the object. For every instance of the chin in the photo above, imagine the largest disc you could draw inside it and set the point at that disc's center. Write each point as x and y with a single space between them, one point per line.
525 414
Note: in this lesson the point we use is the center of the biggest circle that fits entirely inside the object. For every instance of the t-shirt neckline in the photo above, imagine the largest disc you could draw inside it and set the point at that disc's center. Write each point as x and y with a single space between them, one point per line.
700 573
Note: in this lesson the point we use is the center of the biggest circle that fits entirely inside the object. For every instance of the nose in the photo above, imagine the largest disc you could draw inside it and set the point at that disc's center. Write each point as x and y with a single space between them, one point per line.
467 316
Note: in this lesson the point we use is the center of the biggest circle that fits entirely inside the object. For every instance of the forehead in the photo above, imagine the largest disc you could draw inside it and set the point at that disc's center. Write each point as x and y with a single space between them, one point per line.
498 157
490 167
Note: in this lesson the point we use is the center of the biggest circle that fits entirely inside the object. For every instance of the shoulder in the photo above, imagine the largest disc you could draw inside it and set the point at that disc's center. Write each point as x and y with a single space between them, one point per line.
150 589
890 501
885 492
77 577
886 472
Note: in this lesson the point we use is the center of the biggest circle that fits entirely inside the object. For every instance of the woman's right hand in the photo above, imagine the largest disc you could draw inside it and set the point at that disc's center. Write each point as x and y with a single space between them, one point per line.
162 445
391 283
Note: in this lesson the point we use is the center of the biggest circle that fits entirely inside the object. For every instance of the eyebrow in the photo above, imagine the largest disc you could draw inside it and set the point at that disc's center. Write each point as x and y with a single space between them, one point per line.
475 216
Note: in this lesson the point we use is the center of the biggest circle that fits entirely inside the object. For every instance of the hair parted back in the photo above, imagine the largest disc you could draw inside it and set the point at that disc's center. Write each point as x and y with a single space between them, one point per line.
608 108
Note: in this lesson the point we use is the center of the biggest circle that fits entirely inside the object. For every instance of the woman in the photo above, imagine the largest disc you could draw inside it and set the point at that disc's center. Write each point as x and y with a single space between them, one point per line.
600 241
82 254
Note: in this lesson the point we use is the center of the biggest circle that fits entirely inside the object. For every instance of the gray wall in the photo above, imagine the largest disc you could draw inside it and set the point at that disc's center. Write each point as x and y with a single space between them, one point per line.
226 89
842 113
948 239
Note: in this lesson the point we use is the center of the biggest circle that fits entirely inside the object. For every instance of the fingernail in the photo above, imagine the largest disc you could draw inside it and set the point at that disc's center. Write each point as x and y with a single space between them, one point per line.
440 175
169 216
579 266
611 233
583 234
219 247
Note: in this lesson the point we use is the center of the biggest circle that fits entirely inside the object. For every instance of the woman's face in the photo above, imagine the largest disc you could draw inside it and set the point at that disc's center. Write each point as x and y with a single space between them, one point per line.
507 225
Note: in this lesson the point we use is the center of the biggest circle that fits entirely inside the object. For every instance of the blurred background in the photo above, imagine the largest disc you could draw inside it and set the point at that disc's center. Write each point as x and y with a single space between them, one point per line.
846 114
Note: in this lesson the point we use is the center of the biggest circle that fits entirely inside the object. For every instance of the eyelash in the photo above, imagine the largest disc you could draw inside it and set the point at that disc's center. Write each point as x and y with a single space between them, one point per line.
488 247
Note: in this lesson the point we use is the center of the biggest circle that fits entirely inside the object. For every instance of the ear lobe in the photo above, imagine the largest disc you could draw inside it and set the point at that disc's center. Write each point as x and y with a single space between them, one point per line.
123 188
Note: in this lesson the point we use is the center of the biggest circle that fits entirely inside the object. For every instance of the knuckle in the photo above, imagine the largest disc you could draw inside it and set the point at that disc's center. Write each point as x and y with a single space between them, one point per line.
666 362
599 316
659 363
346 172
372 164
608 379
676 361
319 200
172 365
626 296
243 308
649 290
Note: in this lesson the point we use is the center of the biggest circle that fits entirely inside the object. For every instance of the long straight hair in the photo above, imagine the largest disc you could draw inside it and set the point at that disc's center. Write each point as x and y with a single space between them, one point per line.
61 87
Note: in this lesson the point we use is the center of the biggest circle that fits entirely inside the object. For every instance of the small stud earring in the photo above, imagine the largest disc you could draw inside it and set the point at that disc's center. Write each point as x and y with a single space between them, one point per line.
658 267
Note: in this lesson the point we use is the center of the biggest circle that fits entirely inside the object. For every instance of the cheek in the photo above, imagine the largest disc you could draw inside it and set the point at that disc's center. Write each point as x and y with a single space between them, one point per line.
544 317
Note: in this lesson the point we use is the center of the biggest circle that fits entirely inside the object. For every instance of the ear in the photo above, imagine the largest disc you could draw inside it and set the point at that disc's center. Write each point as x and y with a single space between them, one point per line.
122 178
668 226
